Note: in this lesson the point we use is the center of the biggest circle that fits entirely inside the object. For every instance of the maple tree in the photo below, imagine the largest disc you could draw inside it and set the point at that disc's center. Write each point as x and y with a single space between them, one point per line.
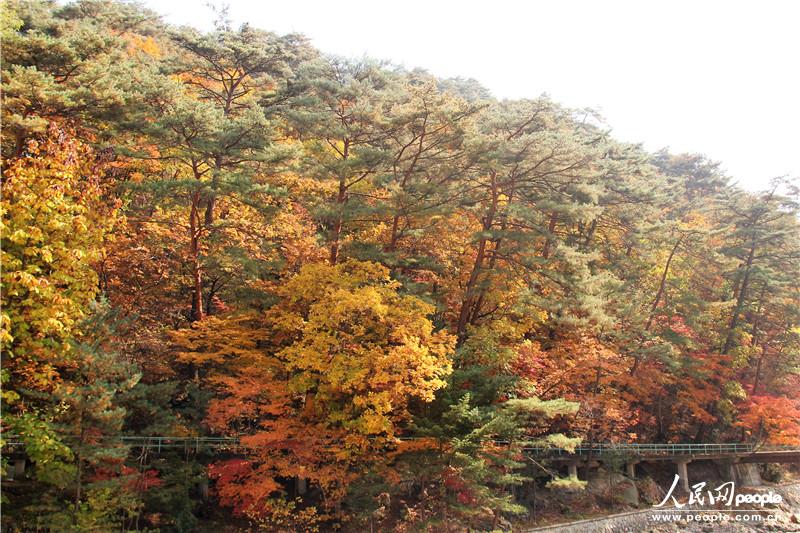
55 224
319 381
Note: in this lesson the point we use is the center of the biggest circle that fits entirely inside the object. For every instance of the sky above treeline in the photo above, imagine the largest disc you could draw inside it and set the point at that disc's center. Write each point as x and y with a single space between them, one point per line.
720 78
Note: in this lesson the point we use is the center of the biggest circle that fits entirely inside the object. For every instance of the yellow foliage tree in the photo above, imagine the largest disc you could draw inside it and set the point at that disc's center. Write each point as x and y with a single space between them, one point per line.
320 381
359 347
54 225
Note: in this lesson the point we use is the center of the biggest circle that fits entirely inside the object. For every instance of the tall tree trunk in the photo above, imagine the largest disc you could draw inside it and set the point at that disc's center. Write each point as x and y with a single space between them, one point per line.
194 251
589 234
208 218
210 294
476 308
78 474
740 300
757 378
475 311
396 218
470 291
662 284
755 332
341 200
338 223
551 227
211 202
78 489
661 288
760 365
395 234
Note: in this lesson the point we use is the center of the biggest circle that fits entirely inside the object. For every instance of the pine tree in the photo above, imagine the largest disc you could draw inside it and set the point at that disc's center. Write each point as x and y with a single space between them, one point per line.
215 132
69 64
345 131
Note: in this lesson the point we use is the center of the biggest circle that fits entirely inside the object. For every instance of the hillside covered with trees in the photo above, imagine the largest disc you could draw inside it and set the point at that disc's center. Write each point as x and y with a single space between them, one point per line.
383 283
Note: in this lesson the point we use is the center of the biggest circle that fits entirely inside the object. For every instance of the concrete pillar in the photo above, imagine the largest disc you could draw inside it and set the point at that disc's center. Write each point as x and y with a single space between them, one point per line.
683 472
302 486
202 487
19 468
630 469
730 470
572 469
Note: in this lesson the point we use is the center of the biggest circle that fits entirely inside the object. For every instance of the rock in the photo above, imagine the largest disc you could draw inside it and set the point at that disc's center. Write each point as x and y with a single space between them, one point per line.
504 524
748 475
613 485
649 491
629 493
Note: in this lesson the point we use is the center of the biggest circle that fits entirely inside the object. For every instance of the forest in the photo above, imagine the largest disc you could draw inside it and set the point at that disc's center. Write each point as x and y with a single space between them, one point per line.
383 284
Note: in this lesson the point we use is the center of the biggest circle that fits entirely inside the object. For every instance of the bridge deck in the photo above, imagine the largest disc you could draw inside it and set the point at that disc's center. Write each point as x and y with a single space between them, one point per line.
655 452
648 452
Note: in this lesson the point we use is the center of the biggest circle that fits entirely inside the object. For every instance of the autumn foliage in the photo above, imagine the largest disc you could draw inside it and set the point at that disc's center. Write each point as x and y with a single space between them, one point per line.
375 287
319 383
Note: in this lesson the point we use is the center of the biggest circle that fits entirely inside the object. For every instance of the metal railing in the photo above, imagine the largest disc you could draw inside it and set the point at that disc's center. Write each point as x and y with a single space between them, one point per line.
157 443
654 450
186 443
233 444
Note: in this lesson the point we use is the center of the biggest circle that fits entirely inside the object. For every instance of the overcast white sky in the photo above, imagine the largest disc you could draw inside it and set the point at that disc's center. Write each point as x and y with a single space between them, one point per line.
717 77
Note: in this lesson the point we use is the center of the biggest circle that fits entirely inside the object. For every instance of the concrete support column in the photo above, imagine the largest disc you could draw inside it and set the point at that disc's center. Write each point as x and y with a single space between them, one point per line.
19 468
202 487
730 470
572 469
630 469
302 486
683 472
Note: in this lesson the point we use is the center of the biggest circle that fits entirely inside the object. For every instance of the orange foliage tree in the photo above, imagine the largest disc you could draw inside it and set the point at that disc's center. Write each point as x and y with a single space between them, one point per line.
317 383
